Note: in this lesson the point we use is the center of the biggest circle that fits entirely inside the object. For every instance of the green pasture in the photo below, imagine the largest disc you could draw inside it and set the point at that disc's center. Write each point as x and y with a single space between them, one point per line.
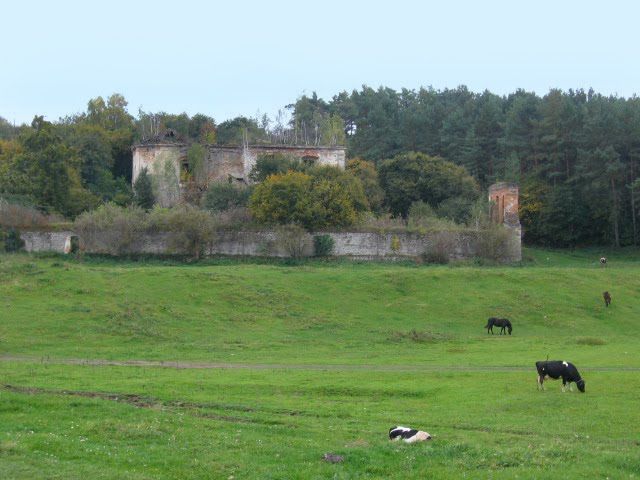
315 358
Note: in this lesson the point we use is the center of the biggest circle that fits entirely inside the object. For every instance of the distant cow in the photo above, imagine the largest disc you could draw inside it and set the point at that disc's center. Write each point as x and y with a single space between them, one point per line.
556 369
408 435
503 323
603 261
607 298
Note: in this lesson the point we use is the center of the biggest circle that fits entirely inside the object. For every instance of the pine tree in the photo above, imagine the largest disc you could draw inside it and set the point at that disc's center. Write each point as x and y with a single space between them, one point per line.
143 190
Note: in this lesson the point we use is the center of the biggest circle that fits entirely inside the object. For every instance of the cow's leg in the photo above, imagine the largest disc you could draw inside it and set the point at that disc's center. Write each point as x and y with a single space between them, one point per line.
564 385
540 381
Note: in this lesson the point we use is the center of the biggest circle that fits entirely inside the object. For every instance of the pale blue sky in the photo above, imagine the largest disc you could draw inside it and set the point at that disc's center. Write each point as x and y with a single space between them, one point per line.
231 58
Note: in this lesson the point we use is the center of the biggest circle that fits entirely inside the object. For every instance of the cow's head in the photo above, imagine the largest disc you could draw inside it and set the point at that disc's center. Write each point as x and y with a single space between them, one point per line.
580 384
509 328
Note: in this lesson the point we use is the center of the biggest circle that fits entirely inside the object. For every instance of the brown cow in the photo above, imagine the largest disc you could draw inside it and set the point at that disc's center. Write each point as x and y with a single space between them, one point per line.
607 298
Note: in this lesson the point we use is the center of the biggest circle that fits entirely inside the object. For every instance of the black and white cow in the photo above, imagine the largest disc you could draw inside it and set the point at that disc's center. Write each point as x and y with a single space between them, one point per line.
556 369
408 435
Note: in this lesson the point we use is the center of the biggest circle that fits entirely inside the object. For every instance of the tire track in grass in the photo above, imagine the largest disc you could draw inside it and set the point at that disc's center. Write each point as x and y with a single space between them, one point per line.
177 364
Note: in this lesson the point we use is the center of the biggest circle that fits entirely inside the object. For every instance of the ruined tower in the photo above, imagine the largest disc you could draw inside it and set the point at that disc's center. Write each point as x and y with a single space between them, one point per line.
504 198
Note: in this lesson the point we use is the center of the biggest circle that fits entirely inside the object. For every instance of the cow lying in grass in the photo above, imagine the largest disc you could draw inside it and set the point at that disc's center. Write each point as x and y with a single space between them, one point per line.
556 369
408 435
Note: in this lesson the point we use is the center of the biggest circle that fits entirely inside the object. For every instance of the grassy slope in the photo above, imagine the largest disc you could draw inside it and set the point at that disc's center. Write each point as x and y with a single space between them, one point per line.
278 423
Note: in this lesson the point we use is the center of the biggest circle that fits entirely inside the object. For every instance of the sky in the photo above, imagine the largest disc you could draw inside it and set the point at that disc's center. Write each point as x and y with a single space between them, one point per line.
232 58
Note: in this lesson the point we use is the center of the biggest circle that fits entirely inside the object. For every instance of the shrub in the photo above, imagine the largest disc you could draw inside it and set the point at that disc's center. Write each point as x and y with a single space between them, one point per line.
493 242
234 218
293 240
323 199
422 217
225 196
413 176
272 164
15 215
12 241
143 190
191 229
442 245
111 229
323 245
395 244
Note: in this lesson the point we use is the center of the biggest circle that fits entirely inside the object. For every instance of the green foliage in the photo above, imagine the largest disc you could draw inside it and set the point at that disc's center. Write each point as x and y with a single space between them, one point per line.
422 218
143 190
271 164
395 244
112 229
11 240
323 245
191 229
165 181
240 130
293 240
493 242
223 196
415 176
368 175
314 202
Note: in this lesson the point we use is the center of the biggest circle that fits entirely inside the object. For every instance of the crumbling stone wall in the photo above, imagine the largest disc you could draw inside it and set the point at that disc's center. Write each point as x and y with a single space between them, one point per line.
222 162
152 156
355 245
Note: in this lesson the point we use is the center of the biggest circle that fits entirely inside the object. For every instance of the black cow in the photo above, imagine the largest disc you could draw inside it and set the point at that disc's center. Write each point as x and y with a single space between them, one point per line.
556 369
607 298
503 323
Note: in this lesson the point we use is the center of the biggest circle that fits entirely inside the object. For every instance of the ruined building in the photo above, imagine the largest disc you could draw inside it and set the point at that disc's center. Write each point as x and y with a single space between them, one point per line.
223 162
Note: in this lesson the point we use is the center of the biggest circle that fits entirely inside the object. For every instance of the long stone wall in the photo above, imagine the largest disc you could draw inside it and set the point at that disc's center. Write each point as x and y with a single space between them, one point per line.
355 245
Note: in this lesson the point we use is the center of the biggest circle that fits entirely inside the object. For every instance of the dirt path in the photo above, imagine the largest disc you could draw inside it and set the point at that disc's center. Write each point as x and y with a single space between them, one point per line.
285 366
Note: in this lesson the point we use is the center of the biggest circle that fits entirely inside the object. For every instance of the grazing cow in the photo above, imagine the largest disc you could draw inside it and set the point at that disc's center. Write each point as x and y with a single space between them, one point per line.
556 369
607 298
603 261
503 323
408 435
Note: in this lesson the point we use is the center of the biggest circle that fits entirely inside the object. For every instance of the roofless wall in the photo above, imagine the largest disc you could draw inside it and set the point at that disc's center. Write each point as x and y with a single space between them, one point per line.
224 162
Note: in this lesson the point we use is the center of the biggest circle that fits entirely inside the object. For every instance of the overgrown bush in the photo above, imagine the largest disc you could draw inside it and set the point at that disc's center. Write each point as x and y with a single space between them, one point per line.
441 247
317 200
11 240
493 242
111 229
225 196
323 245
293 240
381 223
14 215
274 163
233 218
192 229
143 190
422 218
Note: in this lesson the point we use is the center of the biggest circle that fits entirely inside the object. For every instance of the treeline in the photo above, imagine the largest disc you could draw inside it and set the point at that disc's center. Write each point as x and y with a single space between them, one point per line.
575 154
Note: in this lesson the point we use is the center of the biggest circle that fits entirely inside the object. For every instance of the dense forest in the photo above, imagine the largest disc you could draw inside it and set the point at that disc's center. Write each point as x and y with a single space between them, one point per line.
575 154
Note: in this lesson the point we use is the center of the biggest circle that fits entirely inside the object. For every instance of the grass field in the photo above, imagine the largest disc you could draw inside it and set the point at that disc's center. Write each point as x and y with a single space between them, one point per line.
280 364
